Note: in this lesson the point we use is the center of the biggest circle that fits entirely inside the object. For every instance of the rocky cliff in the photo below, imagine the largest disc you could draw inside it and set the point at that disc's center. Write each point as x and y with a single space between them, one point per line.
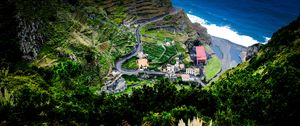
252 50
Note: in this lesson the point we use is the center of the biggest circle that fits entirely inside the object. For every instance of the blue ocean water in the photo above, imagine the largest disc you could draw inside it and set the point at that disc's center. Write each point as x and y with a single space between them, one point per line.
258 19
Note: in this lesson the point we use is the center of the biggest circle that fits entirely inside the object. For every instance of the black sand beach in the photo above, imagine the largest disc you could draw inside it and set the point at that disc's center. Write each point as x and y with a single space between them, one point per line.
231 54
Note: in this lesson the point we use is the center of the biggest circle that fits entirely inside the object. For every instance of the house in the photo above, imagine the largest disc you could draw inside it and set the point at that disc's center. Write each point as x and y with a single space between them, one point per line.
167 44
170 68
185 77
201 54
196 71
189 71
192 71
143 63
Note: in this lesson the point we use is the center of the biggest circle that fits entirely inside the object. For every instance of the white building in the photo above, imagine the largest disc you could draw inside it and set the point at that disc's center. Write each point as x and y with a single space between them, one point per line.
192 71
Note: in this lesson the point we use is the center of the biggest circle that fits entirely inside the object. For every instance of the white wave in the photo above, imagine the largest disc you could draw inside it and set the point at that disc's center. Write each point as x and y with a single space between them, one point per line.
224 32
267 39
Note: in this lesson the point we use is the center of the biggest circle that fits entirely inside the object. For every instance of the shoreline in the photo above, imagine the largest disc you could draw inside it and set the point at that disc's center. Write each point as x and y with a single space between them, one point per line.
224 32
231 53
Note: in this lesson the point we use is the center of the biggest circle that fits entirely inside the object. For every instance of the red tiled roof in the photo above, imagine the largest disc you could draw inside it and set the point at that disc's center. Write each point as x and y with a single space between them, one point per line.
200 52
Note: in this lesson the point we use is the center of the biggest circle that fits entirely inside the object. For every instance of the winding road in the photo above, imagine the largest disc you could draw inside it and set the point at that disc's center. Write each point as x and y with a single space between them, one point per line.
138 47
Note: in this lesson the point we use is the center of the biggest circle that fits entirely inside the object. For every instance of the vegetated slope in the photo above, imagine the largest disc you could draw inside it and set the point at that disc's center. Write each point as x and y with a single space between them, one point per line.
265 89
180 23
137 9
54 35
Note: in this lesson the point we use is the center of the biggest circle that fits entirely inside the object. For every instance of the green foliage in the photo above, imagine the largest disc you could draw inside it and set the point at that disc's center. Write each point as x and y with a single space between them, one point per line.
130 64
169 53
163 119
158 53
66 69
154 51
265 90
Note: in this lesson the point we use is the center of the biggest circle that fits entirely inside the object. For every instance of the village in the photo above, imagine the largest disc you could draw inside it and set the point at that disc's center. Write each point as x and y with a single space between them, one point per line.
195 73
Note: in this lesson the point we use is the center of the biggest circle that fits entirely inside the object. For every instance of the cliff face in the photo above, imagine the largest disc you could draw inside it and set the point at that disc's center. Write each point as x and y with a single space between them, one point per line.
30 38
26 19
252 51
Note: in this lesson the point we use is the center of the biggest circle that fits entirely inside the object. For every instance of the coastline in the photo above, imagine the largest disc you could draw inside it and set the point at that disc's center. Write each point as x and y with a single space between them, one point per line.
224 32
228 50
230 54
226 43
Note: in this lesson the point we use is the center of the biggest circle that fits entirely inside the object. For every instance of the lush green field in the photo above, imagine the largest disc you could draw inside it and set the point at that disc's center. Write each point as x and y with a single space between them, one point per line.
212 67
169 53
130 64
154 51
158 53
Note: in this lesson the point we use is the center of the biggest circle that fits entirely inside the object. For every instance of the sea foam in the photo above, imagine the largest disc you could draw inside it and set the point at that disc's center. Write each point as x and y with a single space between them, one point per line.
224 32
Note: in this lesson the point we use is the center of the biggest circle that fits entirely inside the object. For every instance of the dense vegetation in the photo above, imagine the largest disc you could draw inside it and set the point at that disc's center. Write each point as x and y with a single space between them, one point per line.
264 90
80 42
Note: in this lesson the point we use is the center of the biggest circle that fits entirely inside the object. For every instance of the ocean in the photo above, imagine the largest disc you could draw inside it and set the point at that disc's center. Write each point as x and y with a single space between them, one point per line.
244 22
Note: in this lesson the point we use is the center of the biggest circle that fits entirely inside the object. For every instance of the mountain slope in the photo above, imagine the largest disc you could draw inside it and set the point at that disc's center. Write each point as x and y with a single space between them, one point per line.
264 89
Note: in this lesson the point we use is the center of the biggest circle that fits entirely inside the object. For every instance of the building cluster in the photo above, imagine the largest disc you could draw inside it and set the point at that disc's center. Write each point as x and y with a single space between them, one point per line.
186 74
171 70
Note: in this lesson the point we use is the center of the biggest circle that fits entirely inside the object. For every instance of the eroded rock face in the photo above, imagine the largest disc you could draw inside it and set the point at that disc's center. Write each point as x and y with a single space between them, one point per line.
201 31
252 50
30 37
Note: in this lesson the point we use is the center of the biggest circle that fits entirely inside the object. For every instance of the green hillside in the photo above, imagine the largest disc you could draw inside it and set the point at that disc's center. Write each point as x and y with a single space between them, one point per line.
265 89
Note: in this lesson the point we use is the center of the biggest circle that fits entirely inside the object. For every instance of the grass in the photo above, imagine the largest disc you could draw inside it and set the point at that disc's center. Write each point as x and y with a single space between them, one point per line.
130 64
213 67
154 51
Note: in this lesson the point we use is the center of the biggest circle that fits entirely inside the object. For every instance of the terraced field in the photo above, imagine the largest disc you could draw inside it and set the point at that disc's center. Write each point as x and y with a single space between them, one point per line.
154 51
137 9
